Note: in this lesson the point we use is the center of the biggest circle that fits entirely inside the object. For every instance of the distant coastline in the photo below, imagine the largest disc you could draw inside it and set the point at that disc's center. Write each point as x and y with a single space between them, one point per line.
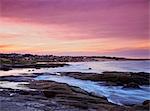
55 58
9 61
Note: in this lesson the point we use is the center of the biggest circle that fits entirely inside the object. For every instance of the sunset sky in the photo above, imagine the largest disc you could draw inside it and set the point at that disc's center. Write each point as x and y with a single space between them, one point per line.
75 27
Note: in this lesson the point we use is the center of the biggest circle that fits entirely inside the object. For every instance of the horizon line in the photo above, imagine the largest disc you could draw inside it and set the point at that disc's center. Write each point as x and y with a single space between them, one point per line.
122 57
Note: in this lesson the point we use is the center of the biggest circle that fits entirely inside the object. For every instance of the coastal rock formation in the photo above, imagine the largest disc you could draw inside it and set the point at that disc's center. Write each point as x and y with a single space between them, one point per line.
113 78
132 85
47 95
52 96
20 78
36 66
5 68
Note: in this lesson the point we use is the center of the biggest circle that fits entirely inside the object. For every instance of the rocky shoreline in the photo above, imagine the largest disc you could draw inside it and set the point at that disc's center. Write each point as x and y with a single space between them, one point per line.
42 95
52 96
7 67
126 79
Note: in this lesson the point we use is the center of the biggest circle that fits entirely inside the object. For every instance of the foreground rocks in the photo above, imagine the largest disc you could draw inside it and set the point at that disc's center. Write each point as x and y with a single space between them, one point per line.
70 96
126 79
11 100
53 96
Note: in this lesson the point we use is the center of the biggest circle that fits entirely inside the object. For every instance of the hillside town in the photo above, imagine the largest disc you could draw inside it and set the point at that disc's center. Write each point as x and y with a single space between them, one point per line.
53 58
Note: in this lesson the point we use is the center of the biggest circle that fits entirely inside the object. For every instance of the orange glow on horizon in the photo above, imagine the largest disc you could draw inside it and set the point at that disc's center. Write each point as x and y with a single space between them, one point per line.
24 37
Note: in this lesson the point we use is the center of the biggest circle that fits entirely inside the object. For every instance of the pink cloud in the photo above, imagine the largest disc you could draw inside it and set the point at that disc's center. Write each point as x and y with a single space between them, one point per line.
118 23
99 18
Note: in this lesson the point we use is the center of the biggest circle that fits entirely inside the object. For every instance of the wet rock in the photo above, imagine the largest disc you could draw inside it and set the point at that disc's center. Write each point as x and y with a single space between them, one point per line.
132 85
5 68
112 83
19 102
80 105
50 94
120 108
145 106
22 92
79 90
53 96
37 68
146 102
49 85
25 77
68 95
97 96
31 65
16 78
116 78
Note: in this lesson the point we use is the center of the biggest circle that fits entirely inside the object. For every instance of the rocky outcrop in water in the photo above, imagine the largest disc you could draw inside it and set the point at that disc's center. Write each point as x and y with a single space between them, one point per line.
5 68
127 79
131 85
36 66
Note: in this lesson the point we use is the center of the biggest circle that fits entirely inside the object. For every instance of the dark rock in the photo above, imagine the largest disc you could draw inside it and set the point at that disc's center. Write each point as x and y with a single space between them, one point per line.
116 78
132 85
33 65
49 95
120 108
68 95
97 96
16 78
37 68
146 102
79 90
112 84
80 105
145 106
5 68
22 92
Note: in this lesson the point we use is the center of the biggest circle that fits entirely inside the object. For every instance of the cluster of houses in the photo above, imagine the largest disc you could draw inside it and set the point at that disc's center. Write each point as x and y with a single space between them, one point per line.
44 58
29 58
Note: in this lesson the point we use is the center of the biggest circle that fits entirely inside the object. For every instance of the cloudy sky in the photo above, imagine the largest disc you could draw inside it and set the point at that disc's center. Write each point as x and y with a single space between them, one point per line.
75 27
